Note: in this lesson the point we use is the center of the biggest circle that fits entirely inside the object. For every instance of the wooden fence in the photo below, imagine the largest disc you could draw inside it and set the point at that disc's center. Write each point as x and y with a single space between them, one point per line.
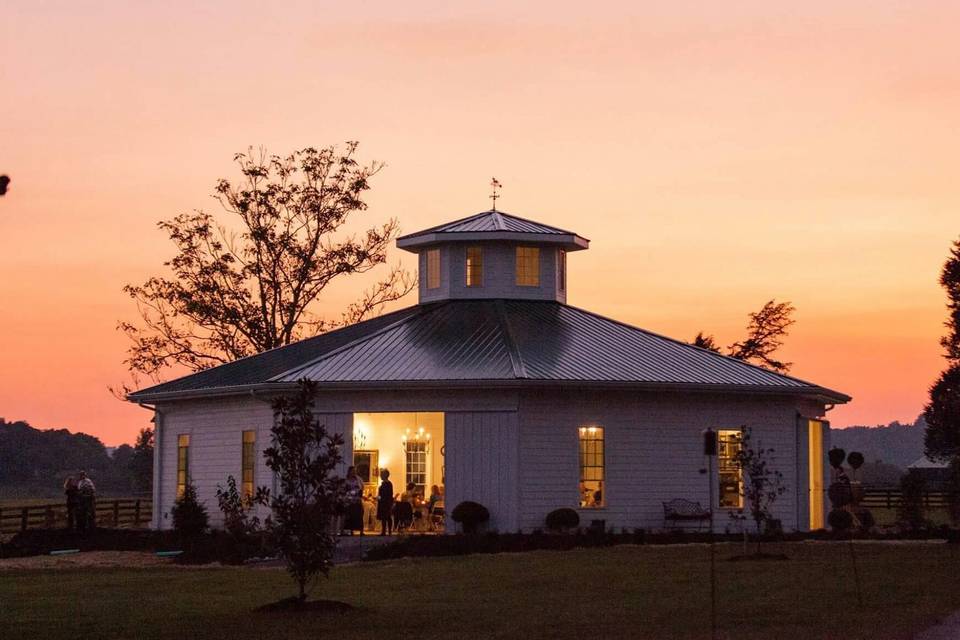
127 513
875 498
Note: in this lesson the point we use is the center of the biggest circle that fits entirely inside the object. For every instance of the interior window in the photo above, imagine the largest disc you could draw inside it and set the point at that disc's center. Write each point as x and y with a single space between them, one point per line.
731 475
591 467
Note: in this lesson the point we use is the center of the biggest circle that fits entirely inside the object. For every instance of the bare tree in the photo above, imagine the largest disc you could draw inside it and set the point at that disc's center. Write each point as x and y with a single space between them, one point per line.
238 290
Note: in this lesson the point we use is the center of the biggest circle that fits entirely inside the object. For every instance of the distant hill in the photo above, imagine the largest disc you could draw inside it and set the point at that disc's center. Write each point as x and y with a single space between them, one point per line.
35 462
896 443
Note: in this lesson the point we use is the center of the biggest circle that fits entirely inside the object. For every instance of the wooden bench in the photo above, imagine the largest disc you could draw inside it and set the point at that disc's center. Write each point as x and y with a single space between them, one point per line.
679 512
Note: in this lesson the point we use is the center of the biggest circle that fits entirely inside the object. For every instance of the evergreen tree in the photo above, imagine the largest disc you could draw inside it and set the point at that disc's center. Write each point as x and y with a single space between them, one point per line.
942 413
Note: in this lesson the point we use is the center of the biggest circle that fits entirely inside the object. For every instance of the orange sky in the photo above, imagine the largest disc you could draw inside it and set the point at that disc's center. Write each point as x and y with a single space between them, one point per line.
716 154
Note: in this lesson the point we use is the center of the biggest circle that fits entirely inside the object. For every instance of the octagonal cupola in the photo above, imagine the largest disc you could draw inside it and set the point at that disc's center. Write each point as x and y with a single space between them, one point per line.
493 255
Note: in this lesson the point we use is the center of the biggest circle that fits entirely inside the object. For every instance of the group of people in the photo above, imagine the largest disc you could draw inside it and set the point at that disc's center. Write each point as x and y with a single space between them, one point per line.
81 495
391 510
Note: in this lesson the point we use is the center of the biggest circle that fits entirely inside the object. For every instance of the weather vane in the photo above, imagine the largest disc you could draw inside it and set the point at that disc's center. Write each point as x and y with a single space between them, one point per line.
493 196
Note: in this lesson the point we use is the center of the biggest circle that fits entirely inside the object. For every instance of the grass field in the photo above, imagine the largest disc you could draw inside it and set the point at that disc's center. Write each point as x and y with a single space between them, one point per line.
637 592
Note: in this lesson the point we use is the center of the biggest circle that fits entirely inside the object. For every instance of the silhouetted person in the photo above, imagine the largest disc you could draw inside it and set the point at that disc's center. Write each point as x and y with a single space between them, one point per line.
4 181
385 504
72 493
86 514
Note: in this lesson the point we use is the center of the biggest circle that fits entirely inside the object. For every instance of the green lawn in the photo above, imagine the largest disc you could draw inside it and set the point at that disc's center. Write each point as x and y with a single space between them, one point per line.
622 592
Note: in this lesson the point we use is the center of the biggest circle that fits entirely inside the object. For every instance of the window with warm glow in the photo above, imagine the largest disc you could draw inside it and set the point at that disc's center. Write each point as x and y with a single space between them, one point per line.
561 269
248 459
474 267
528 266
417 465
591 467
183 463
433 269
729 444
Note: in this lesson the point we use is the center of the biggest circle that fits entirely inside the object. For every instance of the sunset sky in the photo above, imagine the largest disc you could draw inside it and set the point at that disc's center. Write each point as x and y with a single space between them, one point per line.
716 154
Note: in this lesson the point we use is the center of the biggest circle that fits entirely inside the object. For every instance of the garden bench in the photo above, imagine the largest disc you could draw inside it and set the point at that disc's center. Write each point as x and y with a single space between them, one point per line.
679 511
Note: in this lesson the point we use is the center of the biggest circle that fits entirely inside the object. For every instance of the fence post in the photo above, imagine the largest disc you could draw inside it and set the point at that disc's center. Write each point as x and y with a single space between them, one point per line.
24 516
116 514
136 514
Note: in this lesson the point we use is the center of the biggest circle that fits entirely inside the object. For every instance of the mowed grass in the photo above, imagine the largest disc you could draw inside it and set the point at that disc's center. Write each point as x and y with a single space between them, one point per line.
622 592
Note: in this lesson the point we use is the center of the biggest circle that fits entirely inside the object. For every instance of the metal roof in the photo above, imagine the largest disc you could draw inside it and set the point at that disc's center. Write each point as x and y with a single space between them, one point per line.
494 225
477 342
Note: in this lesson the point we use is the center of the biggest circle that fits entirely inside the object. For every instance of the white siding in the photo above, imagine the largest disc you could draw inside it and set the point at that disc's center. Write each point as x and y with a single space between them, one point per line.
653 451
215 427
482 464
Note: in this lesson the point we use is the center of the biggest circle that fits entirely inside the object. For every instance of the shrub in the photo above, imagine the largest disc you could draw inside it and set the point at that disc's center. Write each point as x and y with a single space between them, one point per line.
189 516
836 456
236 508
910 510
470 515
563 519
840 520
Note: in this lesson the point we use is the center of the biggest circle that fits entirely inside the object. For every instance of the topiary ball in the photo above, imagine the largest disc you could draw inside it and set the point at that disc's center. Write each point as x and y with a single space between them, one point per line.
563 519
855 459
840 520
470 515
836 456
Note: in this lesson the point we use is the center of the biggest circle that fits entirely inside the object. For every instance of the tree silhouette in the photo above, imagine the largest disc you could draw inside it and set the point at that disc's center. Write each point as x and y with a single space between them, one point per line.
942 413
765 333
239 290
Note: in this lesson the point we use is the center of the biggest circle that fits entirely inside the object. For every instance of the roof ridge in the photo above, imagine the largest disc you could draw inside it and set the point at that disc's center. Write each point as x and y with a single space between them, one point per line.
444 224
498 220
422 310
542 224
691 346
516 359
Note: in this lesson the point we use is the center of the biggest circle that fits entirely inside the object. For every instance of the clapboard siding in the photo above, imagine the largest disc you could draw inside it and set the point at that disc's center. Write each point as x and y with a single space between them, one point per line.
481 464
215 428
653 451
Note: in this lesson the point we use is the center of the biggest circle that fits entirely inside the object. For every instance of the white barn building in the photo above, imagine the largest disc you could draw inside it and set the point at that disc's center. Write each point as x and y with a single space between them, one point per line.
496 390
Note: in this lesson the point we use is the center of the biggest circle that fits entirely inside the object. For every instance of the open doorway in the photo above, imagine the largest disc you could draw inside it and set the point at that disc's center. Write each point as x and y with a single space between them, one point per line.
410 445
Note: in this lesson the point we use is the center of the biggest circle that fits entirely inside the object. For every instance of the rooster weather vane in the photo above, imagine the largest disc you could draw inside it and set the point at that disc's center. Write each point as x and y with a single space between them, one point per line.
495 184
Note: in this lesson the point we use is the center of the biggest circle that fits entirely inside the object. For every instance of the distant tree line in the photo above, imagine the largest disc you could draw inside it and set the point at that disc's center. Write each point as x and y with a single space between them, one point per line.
35 462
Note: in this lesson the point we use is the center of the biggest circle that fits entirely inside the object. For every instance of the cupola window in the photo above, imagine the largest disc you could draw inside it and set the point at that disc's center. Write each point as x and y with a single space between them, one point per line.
433 269
528 267
474 267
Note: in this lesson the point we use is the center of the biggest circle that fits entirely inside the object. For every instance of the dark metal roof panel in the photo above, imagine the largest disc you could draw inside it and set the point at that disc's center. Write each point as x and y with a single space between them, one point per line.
558 342
503 341
263 366
462 341
491 221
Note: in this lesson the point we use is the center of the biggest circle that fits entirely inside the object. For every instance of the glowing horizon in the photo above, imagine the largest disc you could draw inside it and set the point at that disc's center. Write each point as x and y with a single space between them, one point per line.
716 157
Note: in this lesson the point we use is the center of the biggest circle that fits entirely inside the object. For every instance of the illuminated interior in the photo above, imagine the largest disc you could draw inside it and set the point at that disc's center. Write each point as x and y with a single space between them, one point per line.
731 475
411 446
592 493
815 449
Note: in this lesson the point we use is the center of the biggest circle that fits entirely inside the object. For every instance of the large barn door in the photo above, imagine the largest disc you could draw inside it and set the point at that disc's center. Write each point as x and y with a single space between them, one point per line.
482 451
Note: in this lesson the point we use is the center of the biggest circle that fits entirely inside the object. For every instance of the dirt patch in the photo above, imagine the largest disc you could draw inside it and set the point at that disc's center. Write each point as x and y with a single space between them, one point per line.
758 557
91 559
293 605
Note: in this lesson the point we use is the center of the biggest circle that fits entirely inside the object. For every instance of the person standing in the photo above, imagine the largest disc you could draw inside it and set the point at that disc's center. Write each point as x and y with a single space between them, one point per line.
354 515
385 504
72 493
87 511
